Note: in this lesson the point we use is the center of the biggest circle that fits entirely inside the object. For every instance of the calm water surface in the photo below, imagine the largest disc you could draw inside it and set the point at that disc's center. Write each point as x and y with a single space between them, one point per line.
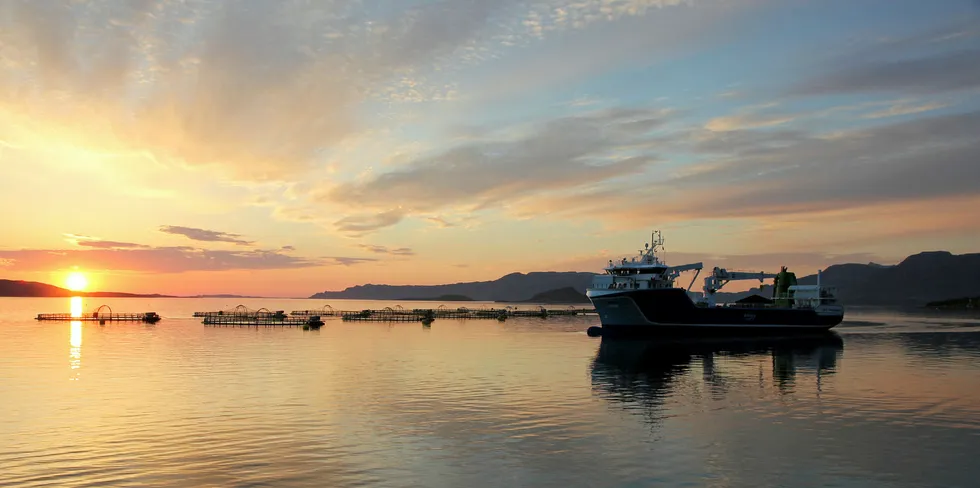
893 401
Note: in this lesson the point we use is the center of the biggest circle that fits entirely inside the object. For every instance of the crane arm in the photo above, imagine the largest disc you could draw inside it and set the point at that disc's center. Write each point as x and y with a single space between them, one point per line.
720 277
686 267
677 270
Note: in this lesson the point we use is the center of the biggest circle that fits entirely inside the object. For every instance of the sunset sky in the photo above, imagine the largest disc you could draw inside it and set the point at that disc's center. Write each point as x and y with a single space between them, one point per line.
288 147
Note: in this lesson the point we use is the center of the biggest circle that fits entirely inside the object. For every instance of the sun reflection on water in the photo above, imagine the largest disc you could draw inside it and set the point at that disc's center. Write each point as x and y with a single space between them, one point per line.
75 351
76 306
75 339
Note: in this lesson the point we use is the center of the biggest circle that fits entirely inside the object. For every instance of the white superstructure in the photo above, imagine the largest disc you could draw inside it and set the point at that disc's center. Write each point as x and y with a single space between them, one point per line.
643 272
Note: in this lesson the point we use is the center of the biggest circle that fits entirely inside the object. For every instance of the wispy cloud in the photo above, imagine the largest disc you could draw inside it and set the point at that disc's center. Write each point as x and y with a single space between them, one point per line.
259 89
86 241
918 159
205 235
755 116
748 121
360 224
904 109
441 222
397 251
345 261
153 259
565 153
938 73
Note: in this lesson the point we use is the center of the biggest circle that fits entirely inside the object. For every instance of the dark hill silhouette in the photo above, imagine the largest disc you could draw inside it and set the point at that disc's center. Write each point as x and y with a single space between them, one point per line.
514 287
11 288
443 298
917 280
561 295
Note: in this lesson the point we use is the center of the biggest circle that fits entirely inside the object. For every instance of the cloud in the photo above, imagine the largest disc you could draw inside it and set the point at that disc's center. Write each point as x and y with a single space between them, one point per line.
260 89
731 141
205 235
86 241
440 222
938 73
743 122
366 223
345 261
920 159
564 153
154 259
904 109
750 117
575 40
400 251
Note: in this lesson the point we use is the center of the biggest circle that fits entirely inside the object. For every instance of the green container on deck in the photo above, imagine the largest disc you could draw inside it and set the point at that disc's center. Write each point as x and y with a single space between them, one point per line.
784 280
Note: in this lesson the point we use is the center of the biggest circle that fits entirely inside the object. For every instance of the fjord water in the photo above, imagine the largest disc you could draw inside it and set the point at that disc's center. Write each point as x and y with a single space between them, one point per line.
891 400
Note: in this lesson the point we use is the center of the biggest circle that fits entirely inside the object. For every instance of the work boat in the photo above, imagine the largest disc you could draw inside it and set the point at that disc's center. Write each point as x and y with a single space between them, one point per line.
638 296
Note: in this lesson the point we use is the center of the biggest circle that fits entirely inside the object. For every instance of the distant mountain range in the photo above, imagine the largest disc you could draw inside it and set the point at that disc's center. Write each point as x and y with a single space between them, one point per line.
567 295
514 287
917 280
443 298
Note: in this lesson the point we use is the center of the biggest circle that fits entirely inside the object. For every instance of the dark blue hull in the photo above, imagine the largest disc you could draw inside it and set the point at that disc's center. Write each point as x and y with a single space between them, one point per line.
633 331
671 312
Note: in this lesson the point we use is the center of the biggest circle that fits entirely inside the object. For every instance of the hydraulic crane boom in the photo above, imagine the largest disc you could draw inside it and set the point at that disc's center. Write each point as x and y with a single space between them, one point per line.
720 277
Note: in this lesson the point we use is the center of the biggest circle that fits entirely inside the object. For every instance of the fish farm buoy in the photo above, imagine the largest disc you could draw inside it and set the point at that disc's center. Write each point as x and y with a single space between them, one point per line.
594 331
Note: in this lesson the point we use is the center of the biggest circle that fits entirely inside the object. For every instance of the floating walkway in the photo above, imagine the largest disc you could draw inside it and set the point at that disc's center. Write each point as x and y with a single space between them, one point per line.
101 315
242 316
313 322
399 314
388 315
325 311
443 312
242 311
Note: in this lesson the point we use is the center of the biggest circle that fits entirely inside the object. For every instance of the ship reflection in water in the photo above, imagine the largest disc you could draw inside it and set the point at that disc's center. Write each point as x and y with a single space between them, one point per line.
647 372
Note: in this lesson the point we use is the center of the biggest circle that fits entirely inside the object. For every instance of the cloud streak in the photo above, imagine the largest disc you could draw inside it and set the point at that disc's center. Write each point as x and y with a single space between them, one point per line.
561 154
938 73
154 260
259 89
205 235
86 241
398 251
904 109
920 159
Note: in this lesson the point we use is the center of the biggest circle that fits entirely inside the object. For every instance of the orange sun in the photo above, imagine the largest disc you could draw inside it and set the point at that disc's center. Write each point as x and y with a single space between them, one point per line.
76 281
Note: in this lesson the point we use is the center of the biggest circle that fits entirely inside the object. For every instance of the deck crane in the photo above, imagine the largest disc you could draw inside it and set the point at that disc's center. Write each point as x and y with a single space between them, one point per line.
721 276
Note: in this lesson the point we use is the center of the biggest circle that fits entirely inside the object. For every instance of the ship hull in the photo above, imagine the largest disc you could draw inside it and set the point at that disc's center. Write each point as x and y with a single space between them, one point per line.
672 312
